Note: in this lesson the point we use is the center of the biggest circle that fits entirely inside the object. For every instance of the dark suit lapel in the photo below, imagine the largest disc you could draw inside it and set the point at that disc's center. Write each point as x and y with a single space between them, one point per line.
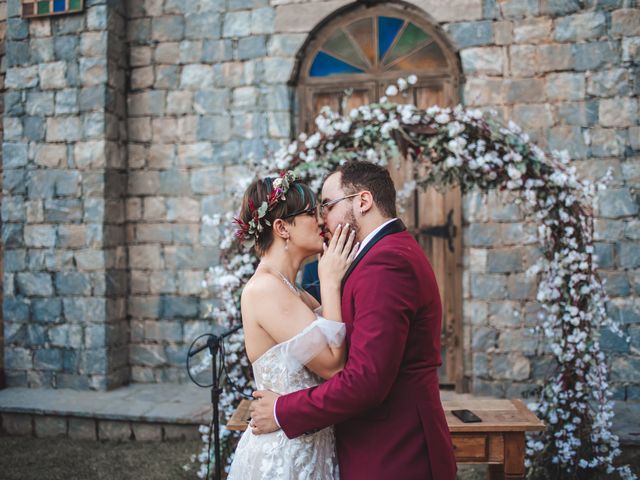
393 227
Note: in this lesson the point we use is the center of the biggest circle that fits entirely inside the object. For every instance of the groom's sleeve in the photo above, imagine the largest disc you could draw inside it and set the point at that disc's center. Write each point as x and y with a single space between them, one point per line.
385 305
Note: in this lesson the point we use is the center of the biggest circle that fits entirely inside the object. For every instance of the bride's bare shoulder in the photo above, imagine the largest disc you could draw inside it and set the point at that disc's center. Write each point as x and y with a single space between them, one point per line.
262 286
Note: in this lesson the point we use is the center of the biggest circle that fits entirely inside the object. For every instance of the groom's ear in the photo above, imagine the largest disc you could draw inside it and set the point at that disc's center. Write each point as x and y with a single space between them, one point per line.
365 201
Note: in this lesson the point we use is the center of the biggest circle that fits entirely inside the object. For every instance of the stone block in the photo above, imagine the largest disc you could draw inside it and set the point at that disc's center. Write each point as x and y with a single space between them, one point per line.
97 17
147 432
58 211
147 355
277 70
511 366
13 210
488 286
163 331
63 129
73 283
168 28
67 101
40 103
609 83
583 114
618 112
145 257
521 340
165 130
179 102
531 30
150 102
519 8
114 430
616 203
484 339
66 336
471 34
143 77
82 310
34 284
47 359
582 26
197 77
628 254
15 309
12 235
252 47
482 235
262 20
568 138
34 128
82 429
48 426
216 128
594 55
15 155
144 183
631 49
625 369
197 154
47 310
20 78
203 25
53 75
606 142
625 22
504 260
183 210
14 260
237 24
93 44
12 128
533 116
176 307
215 51
146 306
93 71
181 432
17 424
617 284
92 98
565 86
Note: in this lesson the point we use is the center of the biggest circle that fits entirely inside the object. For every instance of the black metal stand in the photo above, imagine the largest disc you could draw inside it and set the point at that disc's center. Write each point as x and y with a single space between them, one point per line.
214 344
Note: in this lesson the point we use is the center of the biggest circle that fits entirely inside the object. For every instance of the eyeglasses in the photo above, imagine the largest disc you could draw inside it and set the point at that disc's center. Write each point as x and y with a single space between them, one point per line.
311 211
326 207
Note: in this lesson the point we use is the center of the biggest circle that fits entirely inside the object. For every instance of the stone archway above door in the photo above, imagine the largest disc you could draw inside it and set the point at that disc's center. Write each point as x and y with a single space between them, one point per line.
350 60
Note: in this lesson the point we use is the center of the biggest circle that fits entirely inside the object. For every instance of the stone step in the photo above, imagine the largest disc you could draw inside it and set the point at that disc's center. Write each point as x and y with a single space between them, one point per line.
143 412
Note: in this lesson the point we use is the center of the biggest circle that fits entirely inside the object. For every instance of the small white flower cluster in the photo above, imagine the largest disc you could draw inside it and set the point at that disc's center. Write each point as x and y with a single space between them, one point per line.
461 146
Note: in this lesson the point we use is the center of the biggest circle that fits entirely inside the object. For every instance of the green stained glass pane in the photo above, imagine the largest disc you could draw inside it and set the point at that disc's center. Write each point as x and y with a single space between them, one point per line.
410 39
340 45
43 7
75 4
428 57
362 33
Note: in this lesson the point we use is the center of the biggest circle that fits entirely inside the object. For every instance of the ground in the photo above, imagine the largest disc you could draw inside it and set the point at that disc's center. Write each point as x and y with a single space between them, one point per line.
63 459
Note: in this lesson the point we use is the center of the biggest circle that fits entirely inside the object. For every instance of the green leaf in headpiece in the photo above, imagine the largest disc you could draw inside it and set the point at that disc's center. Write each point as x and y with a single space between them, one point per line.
263 209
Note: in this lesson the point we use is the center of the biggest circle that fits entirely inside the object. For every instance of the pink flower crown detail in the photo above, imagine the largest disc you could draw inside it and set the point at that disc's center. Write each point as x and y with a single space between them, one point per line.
248 232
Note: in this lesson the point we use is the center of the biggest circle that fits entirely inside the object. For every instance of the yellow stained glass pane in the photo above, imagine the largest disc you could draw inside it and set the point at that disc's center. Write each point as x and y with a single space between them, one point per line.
362 33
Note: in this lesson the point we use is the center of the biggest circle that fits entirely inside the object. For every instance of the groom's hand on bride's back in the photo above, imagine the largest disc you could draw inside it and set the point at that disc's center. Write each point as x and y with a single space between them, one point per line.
262 412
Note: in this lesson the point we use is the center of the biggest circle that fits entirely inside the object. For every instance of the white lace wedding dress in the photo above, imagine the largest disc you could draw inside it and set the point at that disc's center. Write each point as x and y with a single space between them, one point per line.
281 369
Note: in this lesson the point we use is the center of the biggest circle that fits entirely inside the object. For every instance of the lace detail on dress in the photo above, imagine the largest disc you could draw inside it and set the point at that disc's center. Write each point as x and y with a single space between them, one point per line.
281 369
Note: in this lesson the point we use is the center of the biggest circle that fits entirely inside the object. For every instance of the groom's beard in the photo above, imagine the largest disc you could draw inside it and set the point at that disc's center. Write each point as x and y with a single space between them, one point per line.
353 223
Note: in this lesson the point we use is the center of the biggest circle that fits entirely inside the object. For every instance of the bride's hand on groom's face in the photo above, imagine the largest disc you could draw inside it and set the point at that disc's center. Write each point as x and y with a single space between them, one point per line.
262 411
337 256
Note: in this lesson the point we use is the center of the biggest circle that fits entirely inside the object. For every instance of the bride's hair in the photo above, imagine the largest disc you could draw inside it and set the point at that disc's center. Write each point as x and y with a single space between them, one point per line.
298 197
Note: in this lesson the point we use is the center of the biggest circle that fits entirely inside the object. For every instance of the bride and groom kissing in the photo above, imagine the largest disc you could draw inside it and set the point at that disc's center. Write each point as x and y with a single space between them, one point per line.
347 389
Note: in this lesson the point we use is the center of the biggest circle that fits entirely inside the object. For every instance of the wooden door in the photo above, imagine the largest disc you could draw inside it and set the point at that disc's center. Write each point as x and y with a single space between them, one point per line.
424 215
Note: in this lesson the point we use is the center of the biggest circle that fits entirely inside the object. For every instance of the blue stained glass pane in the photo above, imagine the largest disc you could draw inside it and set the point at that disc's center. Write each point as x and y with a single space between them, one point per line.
388 28
59 6
325 64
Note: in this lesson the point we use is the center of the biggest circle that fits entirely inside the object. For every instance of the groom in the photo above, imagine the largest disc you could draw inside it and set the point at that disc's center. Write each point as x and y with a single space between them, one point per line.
385 403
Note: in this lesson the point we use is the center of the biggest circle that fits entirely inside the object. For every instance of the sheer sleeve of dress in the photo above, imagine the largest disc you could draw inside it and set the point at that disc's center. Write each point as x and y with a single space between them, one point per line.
304 347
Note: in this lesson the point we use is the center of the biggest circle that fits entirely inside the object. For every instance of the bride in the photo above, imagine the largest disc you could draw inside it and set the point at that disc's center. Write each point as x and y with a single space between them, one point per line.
290 345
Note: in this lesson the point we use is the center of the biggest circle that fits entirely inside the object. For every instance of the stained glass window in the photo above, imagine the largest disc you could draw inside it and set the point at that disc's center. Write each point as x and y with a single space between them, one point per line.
382 43
45 8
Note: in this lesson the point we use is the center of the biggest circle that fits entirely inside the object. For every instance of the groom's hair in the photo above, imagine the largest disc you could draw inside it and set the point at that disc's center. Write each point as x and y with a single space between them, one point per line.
358 175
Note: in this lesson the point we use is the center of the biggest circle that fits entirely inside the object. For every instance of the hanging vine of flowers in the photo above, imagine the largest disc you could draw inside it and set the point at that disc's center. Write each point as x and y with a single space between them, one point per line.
468 148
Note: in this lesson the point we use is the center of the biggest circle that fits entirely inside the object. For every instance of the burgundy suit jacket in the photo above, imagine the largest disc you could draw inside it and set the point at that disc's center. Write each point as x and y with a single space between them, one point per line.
385 404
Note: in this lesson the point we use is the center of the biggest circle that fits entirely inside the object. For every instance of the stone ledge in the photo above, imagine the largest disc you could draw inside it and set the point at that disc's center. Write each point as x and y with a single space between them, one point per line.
147 403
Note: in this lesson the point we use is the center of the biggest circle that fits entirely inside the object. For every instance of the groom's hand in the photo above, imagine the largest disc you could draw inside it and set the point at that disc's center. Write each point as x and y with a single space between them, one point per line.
262 411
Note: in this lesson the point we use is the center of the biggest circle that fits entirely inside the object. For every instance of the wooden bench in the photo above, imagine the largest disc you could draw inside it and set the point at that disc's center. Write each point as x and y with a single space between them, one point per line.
498 440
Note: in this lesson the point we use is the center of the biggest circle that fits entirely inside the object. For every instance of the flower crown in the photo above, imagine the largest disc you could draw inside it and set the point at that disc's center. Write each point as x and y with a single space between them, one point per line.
248 232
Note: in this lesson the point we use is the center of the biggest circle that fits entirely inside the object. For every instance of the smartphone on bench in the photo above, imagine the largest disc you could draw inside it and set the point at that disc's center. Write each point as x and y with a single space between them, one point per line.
466 416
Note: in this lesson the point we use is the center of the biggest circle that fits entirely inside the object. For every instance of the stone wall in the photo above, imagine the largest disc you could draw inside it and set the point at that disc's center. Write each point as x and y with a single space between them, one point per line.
205 84
3 30
62 211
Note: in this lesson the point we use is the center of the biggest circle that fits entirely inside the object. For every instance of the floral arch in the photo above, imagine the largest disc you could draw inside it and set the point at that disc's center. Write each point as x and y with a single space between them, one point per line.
466 148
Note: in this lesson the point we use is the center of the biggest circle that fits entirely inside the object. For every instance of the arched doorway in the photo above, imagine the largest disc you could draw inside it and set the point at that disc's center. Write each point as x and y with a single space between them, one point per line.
350 60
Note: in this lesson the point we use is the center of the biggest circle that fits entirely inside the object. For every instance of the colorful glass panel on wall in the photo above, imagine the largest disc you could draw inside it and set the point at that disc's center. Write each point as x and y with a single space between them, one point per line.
46 8
378 42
